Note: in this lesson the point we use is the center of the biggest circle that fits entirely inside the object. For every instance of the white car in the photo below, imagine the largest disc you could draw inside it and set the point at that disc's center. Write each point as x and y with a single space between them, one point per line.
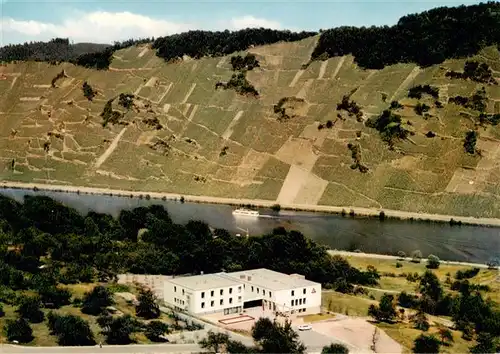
304 327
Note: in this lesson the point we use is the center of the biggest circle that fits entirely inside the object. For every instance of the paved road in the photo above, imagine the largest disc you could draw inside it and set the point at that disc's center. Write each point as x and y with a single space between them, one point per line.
115 349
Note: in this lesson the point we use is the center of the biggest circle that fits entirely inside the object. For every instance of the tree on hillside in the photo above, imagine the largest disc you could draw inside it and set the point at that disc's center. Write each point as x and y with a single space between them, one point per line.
29 309
88 92
147 307
486 343
385 311
433 262
70 330
470 141
214 341
426 344
420 321
19 330
156 329
446 336
96 301
54 297
335 348
430 286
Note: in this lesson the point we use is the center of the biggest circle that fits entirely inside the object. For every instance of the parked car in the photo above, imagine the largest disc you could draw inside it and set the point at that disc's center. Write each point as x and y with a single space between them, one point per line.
305 327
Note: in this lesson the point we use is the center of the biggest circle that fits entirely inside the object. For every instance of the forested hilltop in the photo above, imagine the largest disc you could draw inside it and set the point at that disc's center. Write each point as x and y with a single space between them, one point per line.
426 38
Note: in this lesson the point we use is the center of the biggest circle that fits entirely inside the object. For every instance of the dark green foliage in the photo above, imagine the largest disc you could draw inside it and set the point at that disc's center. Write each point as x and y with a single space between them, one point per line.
492 119
426 344
433 262
418 91
350 107
19 330
88 92
240 84
274 337
96 301
248 62
486 343
446 336
430 286
395 105
426 38
156 329
407 300
281 111
109 115
467 274
420 321
276 208
385 311
335 348
214 341
118 329
470 141
198 44
389 126
126 100
29 309
2 312
54 297
70 330
147 307
421 108
356 157
430 134
476 102
478 72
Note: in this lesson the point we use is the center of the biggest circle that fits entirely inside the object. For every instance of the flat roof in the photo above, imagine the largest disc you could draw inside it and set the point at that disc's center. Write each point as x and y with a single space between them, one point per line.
204 281
270 279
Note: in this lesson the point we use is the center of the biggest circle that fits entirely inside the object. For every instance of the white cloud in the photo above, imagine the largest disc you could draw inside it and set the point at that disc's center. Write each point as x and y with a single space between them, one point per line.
250 21
107 27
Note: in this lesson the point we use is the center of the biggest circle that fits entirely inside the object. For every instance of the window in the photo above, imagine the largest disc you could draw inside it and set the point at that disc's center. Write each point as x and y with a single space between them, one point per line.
300 301
304 301
239 298
202 305
293 302
270 294
175 289
257 290
212 303
263 292
222 291
230 300
212 293
222 302
239 289
230 290
293 293
202 294
252 289
304 291
182 291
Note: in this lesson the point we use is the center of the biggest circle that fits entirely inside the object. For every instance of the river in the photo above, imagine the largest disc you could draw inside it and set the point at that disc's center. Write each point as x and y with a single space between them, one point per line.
475 244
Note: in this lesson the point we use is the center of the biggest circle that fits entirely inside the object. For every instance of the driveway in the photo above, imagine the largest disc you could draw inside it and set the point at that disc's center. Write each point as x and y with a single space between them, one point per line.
115 349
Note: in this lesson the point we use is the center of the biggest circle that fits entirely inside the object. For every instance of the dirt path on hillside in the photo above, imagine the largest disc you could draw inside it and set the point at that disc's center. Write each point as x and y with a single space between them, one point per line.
110 149
411 76
339 65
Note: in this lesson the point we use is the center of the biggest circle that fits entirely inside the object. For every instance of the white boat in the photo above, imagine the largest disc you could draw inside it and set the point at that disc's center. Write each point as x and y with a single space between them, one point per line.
245 212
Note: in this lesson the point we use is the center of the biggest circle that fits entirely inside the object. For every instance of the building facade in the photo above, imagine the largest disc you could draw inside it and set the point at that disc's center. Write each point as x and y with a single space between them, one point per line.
233 292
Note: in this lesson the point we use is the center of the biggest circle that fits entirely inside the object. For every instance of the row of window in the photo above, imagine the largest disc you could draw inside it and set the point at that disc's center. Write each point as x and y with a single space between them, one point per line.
221 291
263 292
296 302
303 292
221 302
178 301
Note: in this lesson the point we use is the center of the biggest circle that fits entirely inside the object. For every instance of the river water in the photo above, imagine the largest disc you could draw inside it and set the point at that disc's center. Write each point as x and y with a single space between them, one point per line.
460 243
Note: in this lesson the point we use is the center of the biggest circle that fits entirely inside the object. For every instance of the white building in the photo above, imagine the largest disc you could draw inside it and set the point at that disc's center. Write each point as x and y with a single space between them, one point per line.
233 292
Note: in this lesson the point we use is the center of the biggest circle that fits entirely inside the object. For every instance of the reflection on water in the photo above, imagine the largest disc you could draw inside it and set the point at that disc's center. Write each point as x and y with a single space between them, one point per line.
465 243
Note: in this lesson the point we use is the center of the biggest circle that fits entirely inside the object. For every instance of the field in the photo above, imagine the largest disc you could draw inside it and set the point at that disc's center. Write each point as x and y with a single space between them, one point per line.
393 281
217 143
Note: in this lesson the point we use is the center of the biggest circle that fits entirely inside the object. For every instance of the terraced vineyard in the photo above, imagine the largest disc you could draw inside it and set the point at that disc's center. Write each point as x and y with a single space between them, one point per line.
182 135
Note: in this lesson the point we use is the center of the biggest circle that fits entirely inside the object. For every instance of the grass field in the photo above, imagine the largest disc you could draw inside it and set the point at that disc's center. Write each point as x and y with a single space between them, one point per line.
392 281
197 122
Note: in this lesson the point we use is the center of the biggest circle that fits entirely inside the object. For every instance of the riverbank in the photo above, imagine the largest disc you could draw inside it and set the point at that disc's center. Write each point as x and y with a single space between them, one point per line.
396 258
347 211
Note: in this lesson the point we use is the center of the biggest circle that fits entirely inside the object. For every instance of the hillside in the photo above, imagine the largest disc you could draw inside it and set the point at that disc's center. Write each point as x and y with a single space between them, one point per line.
281 131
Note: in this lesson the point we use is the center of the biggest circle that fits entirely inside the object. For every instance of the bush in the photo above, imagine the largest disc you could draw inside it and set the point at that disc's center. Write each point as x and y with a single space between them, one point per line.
19 330
426 344
399 265
466 274
433 262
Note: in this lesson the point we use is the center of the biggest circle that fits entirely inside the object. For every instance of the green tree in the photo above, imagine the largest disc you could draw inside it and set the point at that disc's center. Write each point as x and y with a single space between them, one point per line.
2 312
446 336
486 343
433 262
19 330
426 344
385 311
29 309
335 348
416 256
118 329
156 329
147 307
430 286
420 321
273 337
470 141
214 341
96 301
70 330
52 296
88 92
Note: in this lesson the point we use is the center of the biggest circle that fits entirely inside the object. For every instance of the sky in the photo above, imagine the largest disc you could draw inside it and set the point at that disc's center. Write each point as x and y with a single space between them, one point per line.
118 20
